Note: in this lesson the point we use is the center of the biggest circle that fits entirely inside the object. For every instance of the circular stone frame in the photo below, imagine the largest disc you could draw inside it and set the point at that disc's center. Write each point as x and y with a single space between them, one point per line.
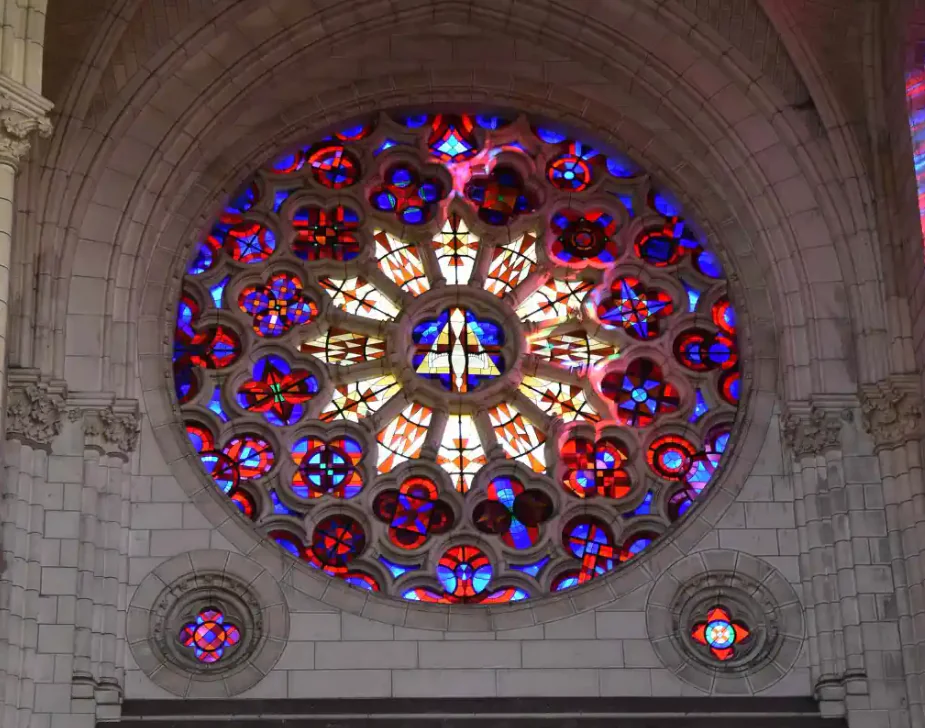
752 589
749 432
167 596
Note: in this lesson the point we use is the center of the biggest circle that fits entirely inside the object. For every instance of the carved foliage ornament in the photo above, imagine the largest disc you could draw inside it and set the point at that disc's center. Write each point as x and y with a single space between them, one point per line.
815 433
16 126
34 414
892 415
108 429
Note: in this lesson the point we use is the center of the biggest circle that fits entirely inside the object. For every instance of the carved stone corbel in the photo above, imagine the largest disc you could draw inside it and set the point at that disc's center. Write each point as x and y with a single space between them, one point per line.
813 432
892 411
23 113
110 425
34 408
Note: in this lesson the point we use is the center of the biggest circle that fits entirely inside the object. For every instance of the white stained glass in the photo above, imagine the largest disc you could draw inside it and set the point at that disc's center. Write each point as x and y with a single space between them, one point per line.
511 264
403 438
357 296
456 249
461 453
401 263
520 438
360 399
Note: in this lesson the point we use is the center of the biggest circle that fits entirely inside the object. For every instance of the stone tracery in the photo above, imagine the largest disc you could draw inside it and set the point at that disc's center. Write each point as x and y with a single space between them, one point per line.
470 317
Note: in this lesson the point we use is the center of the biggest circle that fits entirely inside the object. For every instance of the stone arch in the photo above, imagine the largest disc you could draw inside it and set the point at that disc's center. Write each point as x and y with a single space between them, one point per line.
701 79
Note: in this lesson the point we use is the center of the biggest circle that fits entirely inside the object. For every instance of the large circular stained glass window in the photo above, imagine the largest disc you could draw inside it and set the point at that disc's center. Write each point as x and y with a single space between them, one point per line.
457 358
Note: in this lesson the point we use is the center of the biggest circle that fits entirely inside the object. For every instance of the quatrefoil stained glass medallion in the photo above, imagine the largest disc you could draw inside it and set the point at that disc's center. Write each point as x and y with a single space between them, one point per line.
457 358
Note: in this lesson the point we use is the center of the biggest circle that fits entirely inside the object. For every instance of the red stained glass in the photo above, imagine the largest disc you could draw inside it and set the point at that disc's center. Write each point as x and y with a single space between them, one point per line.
330 234
704 351
334 167
721 635
513 512
278 391
336 541
641 393
452 138
584 238
671 456
209 636
250 242
501 197
596 468
638 310
327 468
589 539
252 455
573 170
660 247
413 512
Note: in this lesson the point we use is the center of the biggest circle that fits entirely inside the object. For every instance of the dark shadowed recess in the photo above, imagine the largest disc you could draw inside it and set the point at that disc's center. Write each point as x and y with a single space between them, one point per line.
730 712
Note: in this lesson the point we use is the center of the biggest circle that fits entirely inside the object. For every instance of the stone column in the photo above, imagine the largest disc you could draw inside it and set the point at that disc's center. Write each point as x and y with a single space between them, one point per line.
111 429
813 435
23 112
892 413
33 422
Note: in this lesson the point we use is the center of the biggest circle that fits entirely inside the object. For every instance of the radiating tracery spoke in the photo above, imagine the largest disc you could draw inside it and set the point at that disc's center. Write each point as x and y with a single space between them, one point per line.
488 347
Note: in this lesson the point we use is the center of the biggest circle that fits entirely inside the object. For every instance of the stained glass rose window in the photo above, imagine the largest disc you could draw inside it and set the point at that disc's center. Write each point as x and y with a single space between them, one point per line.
457 358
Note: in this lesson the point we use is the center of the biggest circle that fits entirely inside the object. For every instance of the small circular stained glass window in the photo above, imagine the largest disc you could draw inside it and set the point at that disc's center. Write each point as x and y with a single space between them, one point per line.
457 358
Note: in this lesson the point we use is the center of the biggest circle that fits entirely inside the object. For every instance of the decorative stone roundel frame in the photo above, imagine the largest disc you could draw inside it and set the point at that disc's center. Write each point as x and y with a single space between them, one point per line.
759 380
755 593
175 591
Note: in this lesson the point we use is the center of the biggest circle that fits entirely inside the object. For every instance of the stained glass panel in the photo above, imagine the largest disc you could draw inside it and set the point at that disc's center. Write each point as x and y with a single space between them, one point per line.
408 369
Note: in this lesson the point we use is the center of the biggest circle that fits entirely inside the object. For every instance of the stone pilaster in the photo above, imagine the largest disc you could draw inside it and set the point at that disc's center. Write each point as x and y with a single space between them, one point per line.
892 416
111 429
34 419
813 433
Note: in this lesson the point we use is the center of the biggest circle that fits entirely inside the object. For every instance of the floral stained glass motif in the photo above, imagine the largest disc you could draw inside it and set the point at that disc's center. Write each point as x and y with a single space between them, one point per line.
278 391
327 468
209 636
723 637
439 334
326 234
278 306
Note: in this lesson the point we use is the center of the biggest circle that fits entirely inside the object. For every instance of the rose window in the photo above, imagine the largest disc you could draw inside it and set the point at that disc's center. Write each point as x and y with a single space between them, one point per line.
457 358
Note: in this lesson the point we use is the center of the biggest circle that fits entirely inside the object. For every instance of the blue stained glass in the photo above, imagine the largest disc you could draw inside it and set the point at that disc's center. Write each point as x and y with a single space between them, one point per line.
639 546
218 291
567 583
280 197
280 508
415 121
411 595
397 570
359 582
450 578
490 122
413 215
185 318
215 404
550 137
643 509
700 407
289 546
709 265
202 261
627 202
353 131
620 166
665 206
693 297
720 443
387 144
531 569
519 595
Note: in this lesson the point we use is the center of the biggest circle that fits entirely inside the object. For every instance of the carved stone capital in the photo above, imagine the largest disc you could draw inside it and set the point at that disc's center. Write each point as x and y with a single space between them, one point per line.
110 425
892 411
34 408
813 432
22 114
